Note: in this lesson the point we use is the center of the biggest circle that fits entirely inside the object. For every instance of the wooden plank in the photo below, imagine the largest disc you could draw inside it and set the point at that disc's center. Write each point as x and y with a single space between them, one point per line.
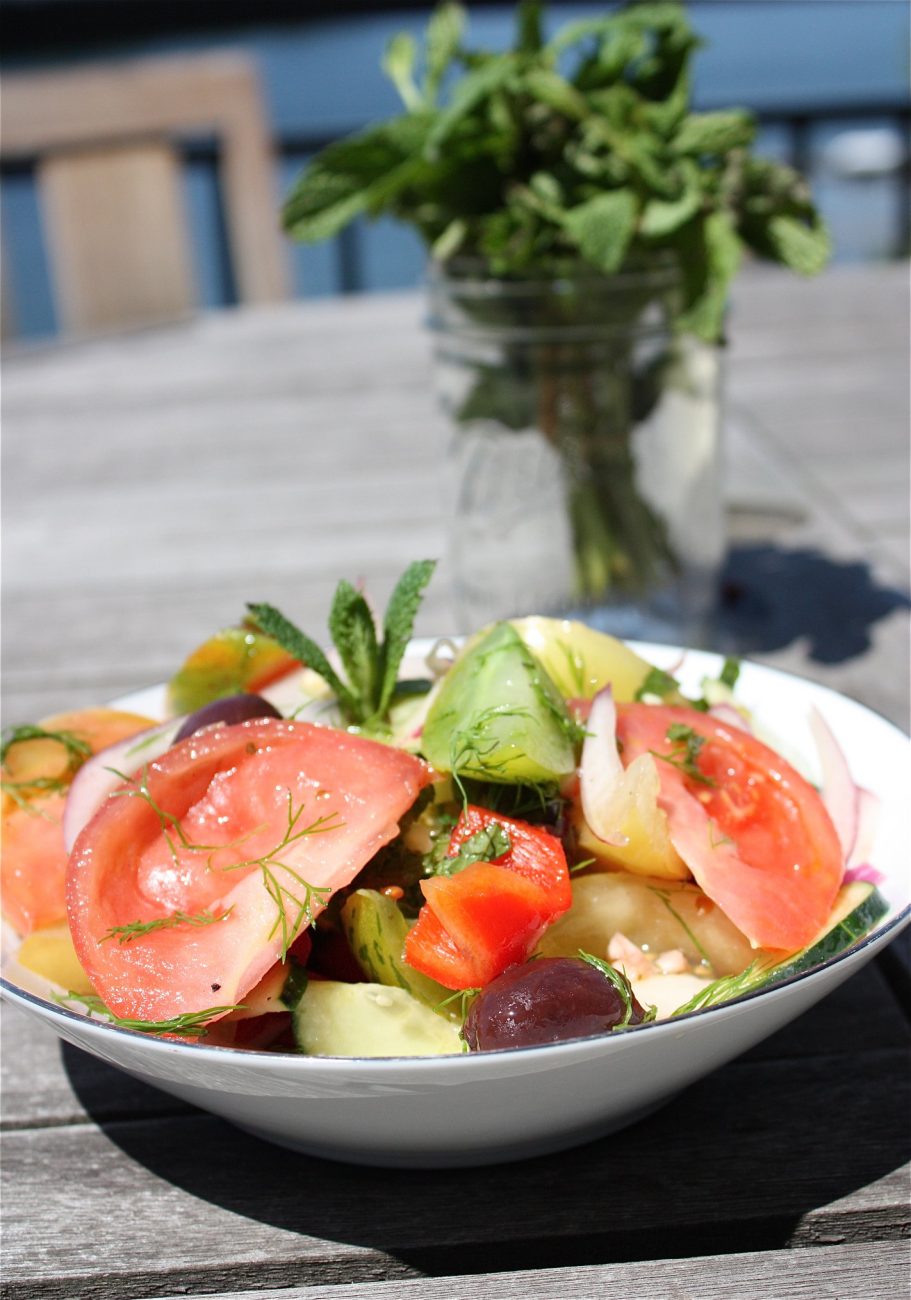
850 1271
117 236
699 1174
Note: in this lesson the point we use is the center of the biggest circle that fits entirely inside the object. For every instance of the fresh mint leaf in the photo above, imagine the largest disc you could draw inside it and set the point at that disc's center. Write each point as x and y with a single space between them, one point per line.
714 133
474 87
398 65
444 35
353 633
269 620
581 149
548 87
398 625
802 246
372 669
603 227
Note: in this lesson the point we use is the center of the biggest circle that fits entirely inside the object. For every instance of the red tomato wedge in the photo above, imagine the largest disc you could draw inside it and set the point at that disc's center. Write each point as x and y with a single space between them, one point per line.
488 916
754 833
33 868
255 824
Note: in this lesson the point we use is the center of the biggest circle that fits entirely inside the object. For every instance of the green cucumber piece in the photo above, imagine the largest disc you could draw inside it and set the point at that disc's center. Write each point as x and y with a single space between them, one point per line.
334 1019
857 909
376 931
499 717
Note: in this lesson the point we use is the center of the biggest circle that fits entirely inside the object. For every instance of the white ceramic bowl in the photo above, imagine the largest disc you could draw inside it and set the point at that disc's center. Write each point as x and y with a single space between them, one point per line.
489 1107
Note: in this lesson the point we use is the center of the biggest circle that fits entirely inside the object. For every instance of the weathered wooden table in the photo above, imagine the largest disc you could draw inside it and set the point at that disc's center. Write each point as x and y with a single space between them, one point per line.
152 485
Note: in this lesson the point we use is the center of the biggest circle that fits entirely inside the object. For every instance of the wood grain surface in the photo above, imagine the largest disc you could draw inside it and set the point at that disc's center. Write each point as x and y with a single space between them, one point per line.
155 482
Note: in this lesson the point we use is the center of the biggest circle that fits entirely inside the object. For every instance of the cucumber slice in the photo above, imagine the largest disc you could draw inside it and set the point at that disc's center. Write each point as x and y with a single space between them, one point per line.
499 717
334 1019
858 907
376 931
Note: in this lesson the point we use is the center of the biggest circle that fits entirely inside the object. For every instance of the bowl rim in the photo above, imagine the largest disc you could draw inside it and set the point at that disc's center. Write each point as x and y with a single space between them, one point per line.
883 932
173 1046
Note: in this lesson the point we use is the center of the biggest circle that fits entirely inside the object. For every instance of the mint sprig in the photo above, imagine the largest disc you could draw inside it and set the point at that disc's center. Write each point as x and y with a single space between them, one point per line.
371 666
584 147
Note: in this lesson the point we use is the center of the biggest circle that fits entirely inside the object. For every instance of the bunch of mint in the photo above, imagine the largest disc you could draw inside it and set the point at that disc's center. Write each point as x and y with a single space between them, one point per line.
583 147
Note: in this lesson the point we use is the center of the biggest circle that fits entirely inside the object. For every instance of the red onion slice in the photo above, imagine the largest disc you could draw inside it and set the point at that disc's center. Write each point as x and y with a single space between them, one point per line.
838 791
868 808
98 777
730 716
600 770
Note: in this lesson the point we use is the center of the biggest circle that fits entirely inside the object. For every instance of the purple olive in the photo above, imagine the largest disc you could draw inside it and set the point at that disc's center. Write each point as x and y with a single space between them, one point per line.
545 1001
227 711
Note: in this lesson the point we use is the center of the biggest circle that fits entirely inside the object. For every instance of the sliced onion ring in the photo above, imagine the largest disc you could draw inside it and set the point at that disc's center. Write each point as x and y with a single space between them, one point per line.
838 791
600 770
99 776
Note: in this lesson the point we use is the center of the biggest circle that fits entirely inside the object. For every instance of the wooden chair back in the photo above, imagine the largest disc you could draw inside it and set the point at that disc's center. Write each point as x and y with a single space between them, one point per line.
104 141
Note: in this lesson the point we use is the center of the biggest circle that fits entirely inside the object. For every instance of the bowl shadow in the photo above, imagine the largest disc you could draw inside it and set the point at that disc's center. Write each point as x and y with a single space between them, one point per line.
753 1157
771 597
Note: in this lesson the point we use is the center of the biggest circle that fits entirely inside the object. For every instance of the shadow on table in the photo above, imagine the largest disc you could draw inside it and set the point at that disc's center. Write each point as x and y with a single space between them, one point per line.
737 1162
771 597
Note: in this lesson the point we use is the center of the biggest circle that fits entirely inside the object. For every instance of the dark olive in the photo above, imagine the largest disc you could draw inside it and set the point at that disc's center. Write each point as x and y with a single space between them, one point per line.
231 709
545 1001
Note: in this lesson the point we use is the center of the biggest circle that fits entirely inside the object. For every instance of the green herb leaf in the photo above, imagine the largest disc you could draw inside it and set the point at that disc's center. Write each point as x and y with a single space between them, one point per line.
298 644
398 65
715 133
476 86
22 792
730 671
353 631
444 34
603 227
600 118
137 929
486 845
398 625
548 87
802 246
623 987
657 682
688 744
190 1024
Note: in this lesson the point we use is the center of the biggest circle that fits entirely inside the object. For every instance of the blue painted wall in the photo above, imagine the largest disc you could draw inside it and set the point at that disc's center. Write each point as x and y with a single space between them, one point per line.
324 76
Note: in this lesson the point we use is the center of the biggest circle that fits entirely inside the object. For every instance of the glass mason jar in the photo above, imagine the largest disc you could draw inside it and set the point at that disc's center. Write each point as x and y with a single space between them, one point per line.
585 468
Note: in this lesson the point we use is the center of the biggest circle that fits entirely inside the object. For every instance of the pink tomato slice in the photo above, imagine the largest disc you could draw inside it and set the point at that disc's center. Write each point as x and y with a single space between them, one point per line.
753 832
33 863
255 825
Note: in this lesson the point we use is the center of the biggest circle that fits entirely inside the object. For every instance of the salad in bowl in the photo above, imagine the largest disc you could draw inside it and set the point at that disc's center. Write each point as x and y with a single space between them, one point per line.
433 904
400 851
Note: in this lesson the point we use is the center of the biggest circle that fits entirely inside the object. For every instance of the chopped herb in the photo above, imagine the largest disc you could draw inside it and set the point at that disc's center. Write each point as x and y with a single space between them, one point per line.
657 682
666 900
136 929
485 845
191 1024
464 997
623 987
730 671
76 749
728 987
688 745
580 866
